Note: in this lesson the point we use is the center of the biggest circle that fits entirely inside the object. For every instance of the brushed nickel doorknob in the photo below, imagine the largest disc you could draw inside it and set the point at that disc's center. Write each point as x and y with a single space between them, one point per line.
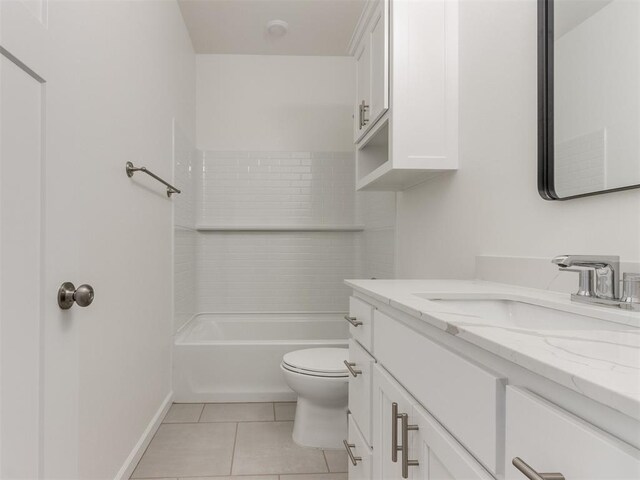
68 294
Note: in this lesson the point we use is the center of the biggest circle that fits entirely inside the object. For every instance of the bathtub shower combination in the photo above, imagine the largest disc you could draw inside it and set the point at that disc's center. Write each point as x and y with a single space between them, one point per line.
236 357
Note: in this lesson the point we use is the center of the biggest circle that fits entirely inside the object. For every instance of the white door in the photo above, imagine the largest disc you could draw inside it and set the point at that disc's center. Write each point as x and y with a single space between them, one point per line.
389 398
363 87
378 31
38 347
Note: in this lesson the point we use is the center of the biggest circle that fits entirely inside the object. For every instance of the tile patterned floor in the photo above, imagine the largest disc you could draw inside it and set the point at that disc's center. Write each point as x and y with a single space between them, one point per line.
234 441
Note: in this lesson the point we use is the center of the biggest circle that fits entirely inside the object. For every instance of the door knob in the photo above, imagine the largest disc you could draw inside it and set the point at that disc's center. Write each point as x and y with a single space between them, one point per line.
68 294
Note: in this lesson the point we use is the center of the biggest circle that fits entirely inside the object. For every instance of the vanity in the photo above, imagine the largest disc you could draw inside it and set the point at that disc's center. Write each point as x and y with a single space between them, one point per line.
479 380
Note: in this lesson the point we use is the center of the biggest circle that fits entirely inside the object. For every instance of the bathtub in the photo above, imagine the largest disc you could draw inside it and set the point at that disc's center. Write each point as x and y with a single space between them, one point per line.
235 357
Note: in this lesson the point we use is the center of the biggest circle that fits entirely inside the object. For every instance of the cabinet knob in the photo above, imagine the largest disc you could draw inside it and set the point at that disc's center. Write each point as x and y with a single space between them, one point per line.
531 474
68 294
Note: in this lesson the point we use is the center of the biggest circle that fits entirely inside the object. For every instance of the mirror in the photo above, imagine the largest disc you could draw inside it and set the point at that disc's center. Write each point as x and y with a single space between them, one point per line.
588 97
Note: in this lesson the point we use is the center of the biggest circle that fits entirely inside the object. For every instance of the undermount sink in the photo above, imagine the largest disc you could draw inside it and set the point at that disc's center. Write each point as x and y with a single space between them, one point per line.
508 313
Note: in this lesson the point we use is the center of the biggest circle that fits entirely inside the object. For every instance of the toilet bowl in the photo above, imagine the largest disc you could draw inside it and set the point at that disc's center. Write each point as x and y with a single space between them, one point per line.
320 378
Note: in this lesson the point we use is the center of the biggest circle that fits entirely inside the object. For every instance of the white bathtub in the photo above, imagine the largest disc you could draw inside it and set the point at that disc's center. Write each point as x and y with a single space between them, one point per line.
235 357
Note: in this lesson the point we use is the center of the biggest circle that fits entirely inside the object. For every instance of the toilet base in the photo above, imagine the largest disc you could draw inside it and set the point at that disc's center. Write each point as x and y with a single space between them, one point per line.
319 426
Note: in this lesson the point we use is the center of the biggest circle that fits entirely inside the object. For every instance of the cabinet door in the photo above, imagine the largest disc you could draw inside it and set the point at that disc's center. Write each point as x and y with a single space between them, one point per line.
550 439
439 455
363 86
361 453
386 392
360 388
378 32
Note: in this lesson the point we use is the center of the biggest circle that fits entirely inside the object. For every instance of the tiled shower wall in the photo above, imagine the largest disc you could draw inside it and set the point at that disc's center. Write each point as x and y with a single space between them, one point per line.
291 270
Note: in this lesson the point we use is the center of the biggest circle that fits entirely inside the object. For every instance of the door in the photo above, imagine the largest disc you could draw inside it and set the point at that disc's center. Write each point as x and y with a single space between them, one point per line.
363 87
390 402
38 366
379 45
439 455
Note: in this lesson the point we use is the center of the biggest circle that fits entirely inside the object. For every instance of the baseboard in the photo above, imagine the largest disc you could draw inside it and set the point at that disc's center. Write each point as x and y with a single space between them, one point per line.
142 444
230 397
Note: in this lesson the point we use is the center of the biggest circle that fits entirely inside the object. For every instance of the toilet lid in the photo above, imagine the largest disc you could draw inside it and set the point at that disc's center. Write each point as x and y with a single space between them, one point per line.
318 360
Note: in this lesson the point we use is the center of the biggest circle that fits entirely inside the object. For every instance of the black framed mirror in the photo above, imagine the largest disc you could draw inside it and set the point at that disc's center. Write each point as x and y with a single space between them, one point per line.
588 97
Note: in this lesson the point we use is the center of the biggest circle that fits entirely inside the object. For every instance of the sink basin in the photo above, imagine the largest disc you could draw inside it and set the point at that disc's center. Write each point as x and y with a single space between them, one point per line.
510 313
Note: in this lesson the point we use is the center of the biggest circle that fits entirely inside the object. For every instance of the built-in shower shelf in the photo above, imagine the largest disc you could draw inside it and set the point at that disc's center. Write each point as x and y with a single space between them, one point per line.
279 228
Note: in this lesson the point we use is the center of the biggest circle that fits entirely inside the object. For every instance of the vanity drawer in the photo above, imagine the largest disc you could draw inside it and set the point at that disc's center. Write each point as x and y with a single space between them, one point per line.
360 388
361 320
466 398
550 439
359 449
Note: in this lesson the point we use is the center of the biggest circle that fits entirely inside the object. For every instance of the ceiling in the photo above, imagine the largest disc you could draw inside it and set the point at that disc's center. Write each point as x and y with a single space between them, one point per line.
316 27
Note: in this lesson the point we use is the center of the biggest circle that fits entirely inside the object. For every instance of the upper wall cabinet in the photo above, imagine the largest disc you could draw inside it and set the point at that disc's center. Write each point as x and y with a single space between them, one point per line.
406 105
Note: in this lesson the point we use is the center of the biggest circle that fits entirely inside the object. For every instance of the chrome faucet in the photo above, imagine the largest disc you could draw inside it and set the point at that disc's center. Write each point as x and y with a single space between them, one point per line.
600 280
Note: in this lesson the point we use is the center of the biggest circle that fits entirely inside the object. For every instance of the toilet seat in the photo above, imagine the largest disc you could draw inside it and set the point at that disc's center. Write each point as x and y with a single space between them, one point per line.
317 362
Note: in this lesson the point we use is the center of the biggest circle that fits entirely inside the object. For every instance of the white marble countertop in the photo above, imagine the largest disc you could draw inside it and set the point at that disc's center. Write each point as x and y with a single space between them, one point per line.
596 354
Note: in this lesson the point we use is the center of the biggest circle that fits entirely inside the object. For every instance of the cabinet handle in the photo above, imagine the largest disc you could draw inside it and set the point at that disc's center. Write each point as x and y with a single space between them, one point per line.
531 474
360 117
352 370
364 108
394 432
406 463
353 321
348 446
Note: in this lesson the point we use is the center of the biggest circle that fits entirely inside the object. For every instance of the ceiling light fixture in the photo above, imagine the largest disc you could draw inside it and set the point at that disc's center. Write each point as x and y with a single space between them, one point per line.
277 28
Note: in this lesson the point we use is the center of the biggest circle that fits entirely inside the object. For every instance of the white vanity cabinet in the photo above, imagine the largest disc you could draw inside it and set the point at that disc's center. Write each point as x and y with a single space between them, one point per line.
464 413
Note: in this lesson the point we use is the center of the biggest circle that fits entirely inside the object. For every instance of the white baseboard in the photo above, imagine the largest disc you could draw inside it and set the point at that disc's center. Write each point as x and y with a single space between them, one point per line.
231 397
142 444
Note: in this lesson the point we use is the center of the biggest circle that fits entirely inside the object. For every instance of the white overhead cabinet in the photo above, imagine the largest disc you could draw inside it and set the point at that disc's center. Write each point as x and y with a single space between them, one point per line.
406 105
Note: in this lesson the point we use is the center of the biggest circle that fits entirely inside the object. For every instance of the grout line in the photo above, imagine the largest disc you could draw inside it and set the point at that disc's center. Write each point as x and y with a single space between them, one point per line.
326 462
233 453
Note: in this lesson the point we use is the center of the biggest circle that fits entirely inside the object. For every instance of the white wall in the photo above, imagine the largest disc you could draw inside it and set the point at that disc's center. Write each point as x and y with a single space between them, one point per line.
491 206
120 72
274 103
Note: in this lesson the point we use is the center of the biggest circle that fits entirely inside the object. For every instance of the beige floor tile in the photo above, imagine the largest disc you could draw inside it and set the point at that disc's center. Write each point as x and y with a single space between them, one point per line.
314 476
237 412
267 448
184 413
337 460
188 450
285 411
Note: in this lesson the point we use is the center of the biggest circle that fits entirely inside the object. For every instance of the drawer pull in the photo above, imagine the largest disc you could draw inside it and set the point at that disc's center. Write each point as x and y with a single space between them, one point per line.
531 474
406 463
353 321
394 432
348 446
352 370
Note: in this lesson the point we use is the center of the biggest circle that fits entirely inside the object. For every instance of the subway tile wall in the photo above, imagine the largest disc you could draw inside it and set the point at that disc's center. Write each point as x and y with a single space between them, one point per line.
277 271
290 188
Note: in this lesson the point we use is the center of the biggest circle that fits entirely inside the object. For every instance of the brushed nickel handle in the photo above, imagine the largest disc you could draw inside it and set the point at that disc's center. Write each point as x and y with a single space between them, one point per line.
348 446
364 107
68 294
352 370
406 463
360 117
394 432
353 321
531 474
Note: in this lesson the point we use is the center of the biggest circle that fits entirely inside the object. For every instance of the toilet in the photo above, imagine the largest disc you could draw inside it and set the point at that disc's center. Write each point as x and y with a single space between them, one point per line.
320 378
